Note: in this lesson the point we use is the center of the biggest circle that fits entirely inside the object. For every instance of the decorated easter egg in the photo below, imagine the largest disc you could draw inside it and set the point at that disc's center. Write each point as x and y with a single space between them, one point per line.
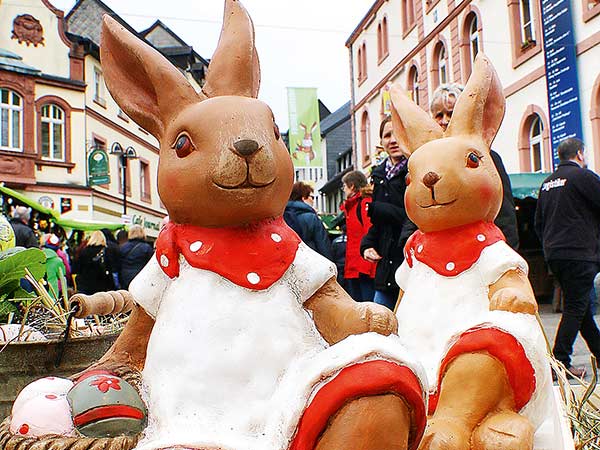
7 234
42 408
104 405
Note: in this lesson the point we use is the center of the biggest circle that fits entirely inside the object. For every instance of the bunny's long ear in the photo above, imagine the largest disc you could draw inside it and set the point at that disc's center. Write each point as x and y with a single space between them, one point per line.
146 86
234 68
413 127
480 108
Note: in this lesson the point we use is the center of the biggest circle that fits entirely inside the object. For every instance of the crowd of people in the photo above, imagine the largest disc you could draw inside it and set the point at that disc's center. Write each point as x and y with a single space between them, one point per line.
99 263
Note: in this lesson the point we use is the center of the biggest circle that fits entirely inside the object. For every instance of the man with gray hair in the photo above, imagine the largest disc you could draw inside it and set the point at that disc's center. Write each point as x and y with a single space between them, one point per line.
24 235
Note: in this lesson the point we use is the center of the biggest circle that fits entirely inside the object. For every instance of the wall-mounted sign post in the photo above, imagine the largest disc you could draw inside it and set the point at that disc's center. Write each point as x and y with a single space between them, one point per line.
561 73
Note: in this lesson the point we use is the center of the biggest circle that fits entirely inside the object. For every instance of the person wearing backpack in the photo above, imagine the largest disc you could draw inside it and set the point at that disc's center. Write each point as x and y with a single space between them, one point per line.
135 254
358 272
92 266
301 217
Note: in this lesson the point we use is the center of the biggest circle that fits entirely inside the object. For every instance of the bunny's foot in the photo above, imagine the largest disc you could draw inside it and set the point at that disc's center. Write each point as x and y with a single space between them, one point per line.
446 434
504 430
369 423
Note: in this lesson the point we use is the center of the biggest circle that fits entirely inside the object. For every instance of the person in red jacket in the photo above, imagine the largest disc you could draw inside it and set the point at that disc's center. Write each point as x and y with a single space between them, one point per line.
358 272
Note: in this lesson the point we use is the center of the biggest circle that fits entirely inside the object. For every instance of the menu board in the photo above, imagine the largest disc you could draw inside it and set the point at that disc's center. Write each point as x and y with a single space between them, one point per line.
561 73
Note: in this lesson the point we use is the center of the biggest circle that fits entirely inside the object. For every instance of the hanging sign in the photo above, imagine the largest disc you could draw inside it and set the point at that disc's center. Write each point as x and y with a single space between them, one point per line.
98 172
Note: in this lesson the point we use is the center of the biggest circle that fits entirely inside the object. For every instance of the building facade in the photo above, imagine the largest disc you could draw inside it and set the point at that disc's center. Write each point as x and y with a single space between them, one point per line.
422 43
58 119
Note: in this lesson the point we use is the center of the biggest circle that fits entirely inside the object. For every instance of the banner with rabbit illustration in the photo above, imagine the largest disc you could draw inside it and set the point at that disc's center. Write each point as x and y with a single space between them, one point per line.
305 130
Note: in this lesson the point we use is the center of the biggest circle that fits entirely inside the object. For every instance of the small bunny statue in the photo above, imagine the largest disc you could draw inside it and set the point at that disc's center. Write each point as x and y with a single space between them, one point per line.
466 308
239 336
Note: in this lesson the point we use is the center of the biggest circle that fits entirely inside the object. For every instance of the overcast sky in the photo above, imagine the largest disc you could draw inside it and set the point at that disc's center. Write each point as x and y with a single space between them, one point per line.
300 42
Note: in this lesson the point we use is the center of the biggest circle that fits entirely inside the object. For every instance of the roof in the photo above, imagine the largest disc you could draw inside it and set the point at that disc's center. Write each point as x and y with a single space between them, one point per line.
12 62
364 21
334 119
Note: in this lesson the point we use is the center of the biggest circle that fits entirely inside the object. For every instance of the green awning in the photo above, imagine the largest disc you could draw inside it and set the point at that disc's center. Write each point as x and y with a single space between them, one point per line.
86 226
526 184
29 202
56 217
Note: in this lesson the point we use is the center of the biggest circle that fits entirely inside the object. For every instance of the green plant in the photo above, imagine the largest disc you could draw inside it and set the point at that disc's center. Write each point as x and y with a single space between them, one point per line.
13 265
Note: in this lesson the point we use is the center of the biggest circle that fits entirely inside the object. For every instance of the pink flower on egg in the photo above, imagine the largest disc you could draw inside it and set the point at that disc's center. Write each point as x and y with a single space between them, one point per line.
106 383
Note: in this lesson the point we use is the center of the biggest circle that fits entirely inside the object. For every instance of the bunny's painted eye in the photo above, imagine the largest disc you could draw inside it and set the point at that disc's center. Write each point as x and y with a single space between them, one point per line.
183 146
473 160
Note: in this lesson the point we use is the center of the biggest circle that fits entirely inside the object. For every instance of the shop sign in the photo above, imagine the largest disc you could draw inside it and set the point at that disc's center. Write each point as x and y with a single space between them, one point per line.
98 172
46 202
138 219
65 205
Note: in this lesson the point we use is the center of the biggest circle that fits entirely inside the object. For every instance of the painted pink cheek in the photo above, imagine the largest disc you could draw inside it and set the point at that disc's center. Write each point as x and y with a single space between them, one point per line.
24 429
51 397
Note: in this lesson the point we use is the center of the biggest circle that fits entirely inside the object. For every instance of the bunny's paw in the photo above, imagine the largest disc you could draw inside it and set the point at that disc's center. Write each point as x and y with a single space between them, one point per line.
513 300
378 318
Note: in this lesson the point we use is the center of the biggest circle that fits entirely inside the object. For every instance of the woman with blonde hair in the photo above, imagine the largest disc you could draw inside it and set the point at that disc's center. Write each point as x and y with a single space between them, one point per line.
93 267
135 254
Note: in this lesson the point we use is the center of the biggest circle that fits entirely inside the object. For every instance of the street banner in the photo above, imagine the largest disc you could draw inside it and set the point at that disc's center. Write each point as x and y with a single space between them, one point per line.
98 167
305 131
561 73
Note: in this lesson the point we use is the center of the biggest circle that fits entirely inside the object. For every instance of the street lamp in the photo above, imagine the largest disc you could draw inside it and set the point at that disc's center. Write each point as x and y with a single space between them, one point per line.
124 155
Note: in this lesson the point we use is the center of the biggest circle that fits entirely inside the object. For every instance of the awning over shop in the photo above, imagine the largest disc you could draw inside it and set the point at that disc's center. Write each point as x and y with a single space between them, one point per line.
29 202
55 215
526 184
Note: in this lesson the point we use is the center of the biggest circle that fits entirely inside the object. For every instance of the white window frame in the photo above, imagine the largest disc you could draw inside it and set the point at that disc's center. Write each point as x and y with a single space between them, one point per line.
52 124
98 85
11 108
536 140
524 38
442 65
474 38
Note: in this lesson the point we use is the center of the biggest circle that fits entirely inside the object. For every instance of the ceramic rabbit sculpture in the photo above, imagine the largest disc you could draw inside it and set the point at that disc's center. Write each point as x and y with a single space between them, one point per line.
242 336
466 306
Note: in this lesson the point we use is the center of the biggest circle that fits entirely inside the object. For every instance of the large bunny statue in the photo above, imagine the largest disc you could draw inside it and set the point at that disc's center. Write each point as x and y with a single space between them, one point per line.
466 309
241 336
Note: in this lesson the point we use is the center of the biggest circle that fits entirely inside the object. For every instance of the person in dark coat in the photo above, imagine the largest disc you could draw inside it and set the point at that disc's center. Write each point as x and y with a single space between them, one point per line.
384 242
113 254
24 235
135 254
441 108
358 272
92 266
301 217
567 221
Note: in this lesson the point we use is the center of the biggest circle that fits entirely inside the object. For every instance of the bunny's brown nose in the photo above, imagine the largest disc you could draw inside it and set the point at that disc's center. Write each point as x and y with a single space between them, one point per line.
246 147
430 178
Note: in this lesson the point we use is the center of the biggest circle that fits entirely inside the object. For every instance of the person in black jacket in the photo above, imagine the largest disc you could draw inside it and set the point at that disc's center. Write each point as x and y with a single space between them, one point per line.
567 221
135 254
301 217
441 108
390 229
24 235
92 266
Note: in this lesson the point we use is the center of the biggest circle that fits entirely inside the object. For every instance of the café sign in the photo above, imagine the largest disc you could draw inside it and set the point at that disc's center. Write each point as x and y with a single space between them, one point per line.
98 172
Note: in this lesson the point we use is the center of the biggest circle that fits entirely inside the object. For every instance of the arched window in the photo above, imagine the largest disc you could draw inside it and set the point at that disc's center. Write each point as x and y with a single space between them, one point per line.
442 67
379 42
439 67
385 37
536 154
413 83
53 132
473 37
11 120
364 61
365 137
359 64
408 15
